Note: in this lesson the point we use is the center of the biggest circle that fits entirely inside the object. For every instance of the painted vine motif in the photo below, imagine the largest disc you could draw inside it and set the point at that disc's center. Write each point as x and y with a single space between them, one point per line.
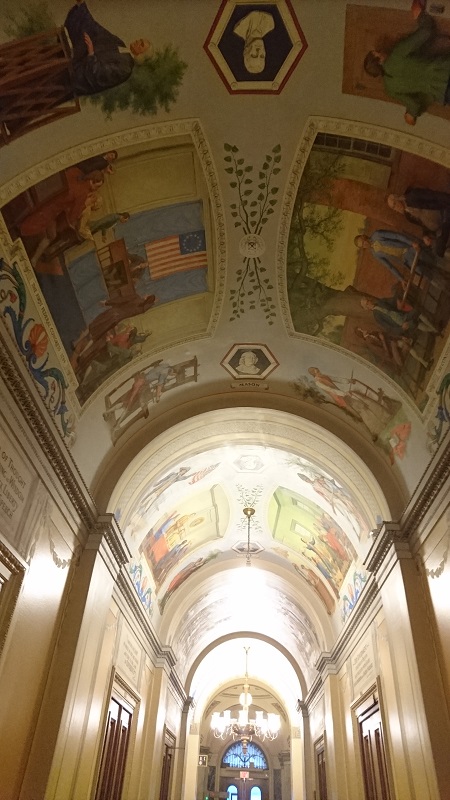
255 206
32 341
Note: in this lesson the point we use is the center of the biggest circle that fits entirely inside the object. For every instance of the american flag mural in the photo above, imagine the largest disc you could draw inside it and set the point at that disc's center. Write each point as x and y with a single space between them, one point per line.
176 254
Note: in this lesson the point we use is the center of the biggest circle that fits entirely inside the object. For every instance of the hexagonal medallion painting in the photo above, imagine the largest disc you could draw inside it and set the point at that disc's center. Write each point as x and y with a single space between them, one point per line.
249 361
255 46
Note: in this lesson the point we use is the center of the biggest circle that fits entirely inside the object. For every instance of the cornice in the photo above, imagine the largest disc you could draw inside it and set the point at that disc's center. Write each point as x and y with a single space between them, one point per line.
178 689
326 665
107 526
429 488
366 603
390 533
48 440
315 691
162 656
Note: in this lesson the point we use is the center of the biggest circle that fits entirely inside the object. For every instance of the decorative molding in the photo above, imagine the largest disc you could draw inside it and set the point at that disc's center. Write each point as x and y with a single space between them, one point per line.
326 665
437 571
11 589
302 709
107 526
31 339
62 563
389 533
66 158
125 687
212 181
431 485
188 704
11 561
48 440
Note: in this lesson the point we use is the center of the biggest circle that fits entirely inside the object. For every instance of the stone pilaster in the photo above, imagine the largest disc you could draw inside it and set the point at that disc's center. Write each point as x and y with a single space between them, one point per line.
412 694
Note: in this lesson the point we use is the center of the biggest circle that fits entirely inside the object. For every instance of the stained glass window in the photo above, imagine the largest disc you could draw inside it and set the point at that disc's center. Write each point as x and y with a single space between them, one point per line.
254 758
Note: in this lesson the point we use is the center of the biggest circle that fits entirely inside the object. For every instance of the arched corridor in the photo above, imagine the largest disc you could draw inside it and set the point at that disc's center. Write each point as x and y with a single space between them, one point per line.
224 400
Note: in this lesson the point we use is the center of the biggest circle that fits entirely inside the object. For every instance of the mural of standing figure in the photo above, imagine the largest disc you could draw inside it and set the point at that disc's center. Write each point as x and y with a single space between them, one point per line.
100 60
409 75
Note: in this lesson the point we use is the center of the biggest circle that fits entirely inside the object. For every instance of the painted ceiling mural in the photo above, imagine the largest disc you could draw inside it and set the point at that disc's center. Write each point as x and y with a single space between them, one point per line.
363 271
187 222
110 245
94 64
398 34
192 515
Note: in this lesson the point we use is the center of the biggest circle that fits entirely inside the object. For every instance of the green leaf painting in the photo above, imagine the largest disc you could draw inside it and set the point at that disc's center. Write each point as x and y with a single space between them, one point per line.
255 205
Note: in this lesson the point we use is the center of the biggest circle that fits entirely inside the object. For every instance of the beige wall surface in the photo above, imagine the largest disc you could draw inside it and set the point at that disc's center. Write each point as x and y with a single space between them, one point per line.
436 573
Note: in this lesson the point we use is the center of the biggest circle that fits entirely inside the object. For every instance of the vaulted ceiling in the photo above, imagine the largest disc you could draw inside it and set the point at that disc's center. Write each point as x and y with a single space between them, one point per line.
189 323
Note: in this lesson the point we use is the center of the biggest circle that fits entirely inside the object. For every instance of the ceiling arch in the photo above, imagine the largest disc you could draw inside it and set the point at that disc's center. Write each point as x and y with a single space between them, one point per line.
180 504
221 672
252 426
238 375
255 600
245 636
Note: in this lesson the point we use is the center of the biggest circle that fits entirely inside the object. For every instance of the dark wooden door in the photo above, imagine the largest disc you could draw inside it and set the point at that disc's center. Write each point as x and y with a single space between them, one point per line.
321 773
115 747
376 783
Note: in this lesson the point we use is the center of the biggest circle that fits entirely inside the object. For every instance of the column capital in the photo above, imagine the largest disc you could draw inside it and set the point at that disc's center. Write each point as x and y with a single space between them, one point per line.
326 665
390 546
106 537
188 704
302 708
166 657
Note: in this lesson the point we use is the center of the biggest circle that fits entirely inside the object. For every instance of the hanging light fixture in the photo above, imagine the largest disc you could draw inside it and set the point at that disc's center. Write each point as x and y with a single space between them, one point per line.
264 726
249 511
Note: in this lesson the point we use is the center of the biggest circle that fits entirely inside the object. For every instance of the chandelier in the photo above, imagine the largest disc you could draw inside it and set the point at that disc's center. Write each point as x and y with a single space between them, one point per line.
242 728
249 511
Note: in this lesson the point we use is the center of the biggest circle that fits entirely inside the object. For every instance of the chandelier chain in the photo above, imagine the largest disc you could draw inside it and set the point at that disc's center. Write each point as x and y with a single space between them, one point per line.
264 726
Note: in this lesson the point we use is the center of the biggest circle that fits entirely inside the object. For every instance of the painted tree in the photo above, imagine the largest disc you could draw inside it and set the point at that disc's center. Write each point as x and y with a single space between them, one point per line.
314 222
35 18
312 302
153 84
